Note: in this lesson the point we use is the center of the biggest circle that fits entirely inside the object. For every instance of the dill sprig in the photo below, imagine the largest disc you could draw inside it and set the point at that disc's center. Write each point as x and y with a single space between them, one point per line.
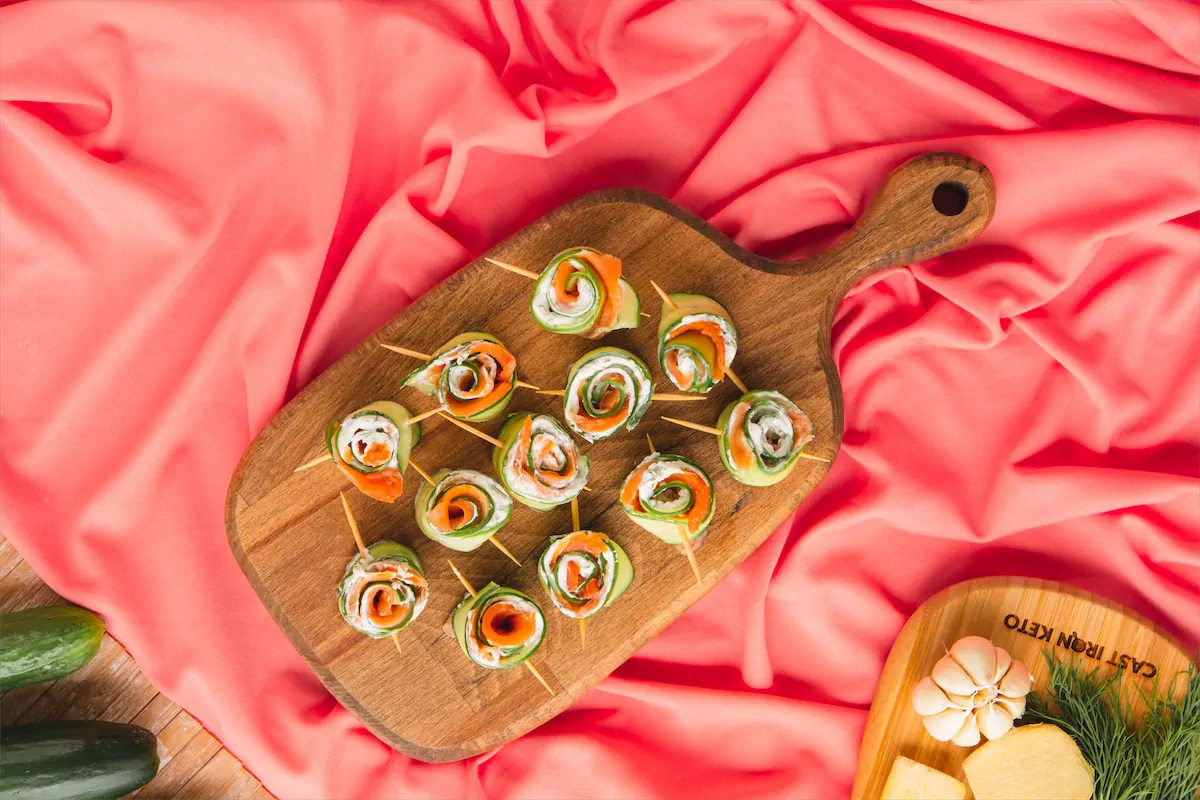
1158 759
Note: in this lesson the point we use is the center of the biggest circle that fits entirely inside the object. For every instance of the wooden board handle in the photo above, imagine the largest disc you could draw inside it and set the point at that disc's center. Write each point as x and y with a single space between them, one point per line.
929 205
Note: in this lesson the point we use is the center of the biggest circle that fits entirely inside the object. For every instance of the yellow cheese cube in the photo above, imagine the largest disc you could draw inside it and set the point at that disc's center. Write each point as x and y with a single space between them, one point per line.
1032 762
910 780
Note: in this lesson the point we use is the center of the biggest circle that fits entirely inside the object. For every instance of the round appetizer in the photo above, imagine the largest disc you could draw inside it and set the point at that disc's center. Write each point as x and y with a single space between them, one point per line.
696 342
669 496
462 508
372 445
382 593
537 461
762 436
499 628
608 390
583 572
473 375
581 291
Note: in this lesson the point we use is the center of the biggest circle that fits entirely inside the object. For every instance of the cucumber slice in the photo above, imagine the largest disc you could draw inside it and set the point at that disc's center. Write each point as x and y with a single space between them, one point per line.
402 444
625 573
566 553
579 318
693 347
422 379
630 315
481 529
773 458
519 479
414 592
669 523
591 375
460 621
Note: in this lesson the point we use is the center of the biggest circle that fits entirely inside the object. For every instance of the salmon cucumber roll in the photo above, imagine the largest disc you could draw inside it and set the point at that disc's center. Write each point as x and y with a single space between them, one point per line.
762 436
473 375
581 291
382 593
669 496
372 445
583 572
537 461
499 628
696 342
608 391
462 508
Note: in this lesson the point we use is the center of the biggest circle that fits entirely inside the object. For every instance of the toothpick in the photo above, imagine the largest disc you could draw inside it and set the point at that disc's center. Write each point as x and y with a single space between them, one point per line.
583 632
738 382
706 429
688 551
309 464
362 548
669 398
575 513
666 298
396 639
694 426
538 675
473 430
533 276
669 303
461 579
683 535
404 351
471 591
492 539
424 475
426 415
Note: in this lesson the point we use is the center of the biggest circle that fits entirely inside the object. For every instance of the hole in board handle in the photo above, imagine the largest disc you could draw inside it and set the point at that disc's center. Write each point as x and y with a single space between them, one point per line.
950 199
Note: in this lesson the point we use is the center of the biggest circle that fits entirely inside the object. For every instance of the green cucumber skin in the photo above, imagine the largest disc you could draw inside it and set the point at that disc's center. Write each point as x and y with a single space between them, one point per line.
75 760
756 475
625 573
44 644
547 276
508 433
667 532
458 624
635 417
462 544
631 313
622 575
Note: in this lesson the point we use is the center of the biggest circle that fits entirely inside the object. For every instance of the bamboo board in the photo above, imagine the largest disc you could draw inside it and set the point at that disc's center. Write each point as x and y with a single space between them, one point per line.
288 533
1024 616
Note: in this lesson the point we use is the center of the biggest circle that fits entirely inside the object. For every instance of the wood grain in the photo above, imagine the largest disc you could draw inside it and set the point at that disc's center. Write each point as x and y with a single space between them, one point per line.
111 687
288 533
1025 617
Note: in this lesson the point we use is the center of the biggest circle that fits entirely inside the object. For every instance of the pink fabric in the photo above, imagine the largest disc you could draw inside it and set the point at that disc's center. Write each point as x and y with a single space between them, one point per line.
203 205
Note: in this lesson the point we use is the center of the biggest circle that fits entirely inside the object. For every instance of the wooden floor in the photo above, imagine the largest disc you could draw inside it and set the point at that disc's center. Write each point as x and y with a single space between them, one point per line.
110 687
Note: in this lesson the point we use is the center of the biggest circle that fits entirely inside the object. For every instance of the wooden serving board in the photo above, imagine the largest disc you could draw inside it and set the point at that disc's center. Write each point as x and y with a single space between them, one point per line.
288 532
1025 617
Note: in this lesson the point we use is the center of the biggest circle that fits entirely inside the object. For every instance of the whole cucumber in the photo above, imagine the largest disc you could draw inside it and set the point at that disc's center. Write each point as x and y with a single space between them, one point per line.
45 644
75 760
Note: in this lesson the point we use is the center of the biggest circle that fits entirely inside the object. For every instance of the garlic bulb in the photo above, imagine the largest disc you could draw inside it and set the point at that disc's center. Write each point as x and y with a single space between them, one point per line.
975 689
